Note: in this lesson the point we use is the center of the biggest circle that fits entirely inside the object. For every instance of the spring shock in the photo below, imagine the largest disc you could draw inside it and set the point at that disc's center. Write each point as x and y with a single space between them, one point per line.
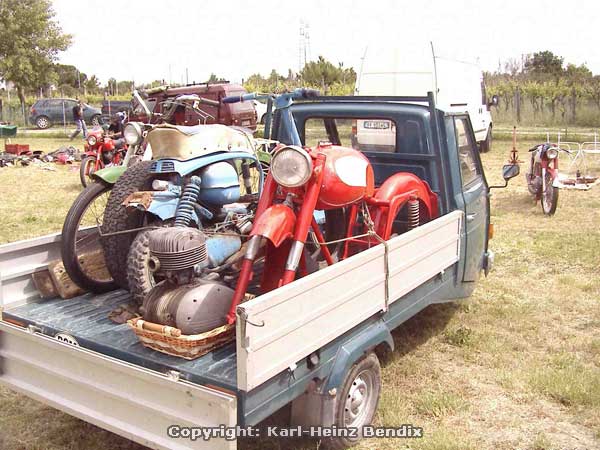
189 197
413 213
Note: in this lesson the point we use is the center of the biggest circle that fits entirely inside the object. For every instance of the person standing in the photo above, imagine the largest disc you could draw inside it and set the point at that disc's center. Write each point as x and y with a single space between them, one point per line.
78 119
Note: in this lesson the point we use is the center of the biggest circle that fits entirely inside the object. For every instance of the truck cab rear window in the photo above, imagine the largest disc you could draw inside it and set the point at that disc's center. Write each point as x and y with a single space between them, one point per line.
380 135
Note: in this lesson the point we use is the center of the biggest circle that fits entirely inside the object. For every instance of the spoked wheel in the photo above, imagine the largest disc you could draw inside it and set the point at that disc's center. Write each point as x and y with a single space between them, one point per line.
87 169
549 196
357 401
81 250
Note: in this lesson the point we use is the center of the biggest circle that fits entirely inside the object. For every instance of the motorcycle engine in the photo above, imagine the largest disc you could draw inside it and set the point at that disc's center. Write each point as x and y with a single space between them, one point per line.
190 296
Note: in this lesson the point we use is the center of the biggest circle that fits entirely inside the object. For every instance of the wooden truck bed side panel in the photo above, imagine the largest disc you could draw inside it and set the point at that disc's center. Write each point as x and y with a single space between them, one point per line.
276 330
133 402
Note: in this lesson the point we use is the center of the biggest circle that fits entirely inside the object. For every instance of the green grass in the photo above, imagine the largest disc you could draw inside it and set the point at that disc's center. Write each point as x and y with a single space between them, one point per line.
515 366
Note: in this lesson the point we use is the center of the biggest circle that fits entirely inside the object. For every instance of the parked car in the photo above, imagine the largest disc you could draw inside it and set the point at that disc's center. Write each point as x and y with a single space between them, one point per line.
240 114
458 86
48 111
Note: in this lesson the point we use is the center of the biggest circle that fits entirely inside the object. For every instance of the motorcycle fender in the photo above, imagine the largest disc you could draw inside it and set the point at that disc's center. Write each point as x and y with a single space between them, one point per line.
90 153
109 175
276 223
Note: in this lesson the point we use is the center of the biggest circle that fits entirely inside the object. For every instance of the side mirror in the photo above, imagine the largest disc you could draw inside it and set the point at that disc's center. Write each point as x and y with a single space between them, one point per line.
494 101
510 171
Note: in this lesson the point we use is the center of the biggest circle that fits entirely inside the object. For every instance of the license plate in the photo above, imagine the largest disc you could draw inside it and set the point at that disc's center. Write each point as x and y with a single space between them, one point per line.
246 123
377 124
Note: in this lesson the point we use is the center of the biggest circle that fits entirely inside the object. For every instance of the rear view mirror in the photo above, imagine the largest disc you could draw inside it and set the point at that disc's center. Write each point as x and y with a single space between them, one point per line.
510 171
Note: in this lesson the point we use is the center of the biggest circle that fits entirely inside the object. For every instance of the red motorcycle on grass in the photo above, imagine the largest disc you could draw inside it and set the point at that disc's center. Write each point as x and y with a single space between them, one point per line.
330 178
542 174
100 151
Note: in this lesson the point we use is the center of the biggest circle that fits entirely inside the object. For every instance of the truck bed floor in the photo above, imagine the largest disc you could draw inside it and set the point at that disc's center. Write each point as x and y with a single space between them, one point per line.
86 319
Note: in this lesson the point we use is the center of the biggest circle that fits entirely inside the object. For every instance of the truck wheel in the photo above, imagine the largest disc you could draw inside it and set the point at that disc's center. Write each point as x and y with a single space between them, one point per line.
87 210
486 145
357 401
117 218
42 122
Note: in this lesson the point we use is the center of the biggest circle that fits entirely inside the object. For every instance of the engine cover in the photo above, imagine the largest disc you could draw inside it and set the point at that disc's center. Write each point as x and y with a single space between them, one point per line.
193 308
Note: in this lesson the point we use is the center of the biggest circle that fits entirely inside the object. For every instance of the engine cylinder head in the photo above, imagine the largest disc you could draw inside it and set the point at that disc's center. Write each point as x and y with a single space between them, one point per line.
178 248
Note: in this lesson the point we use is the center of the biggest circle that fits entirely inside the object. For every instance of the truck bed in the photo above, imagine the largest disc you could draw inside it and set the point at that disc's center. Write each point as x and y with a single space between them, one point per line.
86 319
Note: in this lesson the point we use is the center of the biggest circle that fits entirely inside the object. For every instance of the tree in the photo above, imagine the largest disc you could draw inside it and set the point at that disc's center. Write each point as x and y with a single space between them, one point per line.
215 79
544 65
69 75
30 40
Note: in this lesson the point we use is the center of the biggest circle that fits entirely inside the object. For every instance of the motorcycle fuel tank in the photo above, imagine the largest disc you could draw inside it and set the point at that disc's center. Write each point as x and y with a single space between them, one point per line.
220 184
348 177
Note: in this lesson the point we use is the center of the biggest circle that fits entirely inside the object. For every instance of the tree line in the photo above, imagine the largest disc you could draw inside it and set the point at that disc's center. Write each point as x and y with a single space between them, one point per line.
541 88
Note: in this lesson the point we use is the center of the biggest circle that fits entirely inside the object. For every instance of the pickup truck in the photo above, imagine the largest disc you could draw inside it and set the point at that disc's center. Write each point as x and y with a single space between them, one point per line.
314 343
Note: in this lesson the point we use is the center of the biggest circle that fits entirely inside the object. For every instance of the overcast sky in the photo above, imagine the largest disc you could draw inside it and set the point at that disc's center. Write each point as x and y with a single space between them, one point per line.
149 40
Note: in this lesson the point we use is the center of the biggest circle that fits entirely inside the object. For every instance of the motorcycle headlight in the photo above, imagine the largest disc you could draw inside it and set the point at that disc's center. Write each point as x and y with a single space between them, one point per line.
552 153
91 140
133 133
291 166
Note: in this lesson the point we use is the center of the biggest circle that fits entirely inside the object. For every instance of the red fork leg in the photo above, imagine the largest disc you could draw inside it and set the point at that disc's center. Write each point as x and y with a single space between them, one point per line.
304 220
351 224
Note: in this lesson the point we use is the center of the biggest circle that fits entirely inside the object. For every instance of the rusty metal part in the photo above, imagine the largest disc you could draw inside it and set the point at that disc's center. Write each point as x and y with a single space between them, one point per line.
143 198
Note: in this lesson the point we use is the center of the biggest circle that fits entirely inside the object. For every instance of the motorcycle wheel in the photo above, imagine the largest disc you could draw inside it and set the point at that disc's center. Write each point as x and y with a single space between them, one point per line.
549 197
139 276
78 247
117 218
86 169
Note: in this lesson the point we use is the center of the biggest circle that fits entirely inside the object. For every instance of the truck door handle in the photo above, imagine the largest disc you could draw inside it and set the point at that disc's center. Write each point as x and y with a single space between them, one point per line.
471 217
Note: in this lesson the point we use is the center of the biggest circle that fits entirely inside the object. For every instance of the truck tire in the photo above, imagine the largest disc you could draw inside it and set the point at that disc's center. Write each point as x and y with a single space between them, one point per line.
357 400
117 218
486 145
71 240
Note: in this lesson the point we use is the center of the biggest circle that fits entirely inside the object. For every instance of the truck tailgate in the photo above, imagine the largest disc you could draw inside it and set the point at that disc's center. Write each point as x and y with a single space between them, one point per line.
136 403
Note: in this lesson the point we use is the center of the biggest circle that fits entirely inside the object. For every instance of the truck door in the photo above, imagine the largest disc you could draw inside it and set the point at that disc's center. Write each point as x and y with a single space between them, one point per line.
474 192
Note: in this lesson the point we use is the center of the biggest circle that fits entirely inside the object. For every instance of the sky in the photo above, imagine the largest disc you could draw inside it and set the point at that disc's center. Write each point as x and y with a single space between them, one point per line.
149 40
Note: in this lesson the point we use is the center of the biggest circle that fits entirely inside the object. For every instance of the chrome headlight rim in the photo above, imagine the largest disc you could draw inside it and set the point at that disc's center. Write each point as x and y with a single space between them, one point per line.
277 161
133 133
552 153
92 140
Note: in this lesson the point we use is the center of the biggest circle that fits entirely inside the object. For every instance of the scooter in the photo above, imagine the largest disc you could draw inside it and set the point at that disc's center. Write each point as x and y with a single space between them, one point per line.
99 152
542 174
328 178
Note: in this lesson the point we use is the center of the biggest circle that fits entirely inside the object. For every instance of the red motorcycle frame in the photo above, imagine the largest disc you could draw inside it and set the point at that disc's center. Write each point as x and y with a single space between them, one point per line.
340 178
99 151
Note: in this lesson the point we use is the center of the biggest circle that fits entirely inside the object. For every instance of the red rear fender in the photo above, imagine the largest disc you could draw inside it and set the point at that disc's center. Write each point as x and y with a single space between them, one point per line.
404 183
276 223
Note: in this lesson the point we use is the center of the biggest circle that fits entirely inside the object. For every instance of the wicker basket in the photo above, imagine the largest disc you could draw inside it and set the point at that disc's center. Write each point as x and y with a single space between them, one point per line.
171 341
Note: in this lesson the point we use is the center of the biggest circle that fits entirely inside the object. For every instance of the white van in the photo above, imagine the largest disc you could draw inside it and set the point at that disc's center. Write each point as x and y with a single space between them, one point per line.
458 86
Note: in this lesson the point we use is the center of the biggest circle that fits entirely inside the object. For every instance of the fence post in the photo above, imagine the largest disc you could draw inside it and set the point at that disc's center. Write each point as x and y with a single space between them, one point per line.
518 103
1 111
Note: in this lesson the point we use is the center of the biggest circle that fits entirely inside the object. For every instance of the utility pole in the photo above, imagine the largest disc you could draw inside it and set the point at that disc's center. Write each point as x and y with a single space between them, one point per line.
186 76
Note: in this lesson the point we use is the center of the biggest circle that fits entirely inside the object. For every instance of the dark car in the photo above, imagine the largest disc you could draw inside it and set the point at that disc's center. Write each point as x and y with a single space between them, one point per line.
241 114
48 111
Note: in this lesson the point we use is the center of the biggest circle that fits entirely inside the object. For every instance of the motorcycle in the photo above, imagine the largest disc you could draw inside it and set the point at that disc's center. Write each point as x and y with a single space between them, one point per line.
99 152
182 214
330 178
542 174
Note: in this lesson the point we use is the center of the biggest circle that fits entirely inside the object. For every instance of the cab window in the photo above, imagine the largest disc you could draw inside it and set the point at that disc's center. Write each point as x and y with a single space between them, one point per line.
469 169
377 135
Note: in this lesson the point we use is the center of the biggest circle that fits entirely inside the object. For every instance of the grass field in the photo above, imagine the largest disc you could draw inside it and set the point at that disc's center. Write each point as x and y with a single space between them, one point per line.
515 366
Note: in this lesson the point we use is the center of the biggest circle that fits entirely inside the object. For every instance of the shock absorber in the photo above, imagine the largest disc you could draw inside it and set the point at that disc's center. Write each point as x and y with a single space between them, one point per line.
413 213
189 197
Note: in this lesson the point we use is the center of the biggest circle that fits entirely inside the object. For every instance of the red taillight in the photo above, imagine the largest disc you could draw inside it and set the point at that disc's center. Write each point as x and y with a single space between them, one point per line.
354 127
32 110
